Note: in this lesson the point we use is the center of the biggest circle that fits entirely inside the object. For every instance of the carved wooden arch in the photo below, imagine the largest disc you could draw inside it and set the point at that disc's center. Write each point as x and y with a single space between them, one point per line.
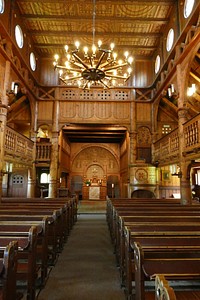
73 157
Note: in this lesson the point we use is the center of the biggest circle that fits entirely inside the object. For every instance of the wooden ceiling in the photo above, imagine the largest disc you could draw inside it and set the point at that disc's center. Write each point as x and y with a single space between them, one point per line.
132 25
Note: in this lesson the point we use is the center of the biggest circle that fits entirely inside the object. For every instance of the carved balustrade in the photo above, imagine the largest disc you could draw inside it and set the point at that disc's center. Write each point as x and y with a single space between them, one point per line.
18 147
43 152
167 148
192 135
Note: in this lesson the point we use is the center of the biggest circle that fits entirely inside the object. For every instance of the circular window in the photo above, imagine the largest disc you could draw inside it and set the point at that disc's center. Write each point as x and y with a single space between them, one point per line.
1 6
19 36
188 7
157 64
170 39
32 61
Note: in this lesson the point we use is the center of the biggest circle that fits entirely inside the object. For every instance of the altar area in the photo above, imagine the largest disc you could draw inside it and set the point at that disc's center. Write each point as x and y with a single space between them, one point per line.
93 192
94 189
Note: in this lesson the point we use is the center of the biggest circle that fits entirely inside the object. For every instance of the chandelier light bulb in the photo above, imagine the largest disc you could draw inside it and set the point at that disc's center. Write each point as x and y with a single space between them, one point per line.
126 54
114 56
129 71
67 65
99 43
68 57
85 49
60 72
56 56
112 45
94 49
66 48
130 60
77 44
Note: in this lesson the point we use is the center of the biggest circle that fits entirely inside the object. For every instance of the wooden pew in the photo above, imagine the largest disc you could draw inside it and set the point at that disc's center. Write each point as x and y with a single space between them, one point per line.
167 209
163 291
8 270
26 257
18 230
176 265
137 232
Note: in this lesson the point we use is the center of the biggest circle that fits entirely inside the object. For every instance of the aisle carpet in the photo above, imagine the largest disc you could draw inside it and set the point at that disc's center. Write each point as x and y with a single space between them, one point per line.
86 268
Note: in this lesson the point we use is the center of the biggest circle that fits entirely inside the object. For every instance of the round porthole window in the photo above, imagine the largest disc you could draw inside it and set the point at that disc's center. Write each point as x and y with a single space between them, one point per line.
157 64
170 39
19 36
2 6
32 61
188 7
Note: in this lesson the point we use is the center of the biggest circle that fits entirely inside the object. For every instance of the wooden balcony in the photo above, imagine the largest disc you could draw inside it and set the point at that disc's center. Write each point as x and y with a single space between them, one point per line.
17 147
167 148
43 152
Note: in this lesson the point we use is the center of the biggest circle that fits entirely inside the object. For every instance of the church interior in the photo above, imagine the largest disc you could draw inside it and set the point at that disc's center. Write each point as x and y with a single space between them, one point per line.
99 100
137 138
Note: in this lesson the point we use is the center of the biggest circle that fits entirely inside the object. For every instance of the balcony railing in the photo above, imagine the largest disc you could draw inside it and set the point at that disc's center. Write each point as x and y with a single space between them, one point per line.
167 148
17 146
43 152
192 135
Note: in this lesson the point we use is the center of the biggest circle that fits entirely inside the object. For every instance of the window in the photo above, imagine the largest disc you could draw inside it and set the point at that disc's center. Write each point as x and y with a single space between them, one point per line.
2 6
166 129
44 178
157 64
170 39
32 61
19 36
188 7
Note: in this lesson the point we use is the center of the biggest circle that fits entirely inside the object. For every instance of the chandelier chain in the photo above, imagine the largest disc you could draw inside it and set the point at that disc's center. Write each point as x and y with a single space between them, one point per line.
93 22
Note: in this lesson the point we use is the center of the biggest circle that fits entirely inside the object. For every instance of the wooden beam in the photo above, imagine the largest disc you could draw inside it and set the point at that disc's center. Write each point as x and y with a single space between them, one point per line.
17 103
195 76
170 104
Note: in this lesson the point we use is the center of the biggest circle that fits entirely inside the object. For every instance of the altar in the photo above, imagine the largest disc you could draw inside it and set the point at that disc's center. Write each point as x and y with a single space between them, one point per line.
94 192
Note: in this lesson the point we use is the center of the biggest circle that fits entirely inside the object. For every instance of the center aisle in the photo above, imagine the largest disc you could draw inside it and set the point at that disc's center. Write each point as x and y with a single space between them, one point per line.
86 268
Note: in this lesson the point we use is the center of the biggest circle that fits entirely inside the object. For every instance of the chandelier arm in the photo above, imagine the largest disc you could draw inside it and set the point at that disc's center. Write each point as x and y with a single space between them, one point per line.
80 60
115 76
127 78
100 60
77 64
104 84
115 67
107 63
70 78
85 84
65 68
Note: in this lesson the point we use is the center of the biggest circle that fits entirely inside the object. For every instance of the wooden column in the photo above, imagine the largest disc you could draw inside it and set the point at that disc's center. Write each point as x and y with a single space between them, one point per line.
31 188
3 118
53 183
185 188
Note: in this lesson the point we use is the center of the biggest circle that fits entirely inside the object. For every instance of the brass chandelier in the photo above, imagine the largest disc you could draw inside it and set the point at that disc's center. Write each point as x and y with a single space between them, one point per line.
93 67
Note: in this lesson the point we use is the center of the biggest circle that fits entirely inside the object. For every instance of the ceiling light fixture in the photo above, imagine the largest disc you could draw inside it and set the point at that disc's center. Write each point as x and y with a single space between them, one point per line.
94 67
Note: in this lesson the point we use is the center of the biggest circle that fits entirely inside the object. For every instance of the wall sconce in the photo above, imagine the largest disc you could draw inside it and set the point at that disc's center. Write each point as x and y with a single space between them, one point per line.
14 88
191 90
171 90
8 168
178 172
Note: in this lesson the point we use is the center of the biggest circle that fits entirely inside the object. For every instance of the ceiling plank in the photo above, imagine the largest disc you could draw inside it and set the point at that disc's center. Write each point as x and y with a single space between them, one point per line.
125 20
85 33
